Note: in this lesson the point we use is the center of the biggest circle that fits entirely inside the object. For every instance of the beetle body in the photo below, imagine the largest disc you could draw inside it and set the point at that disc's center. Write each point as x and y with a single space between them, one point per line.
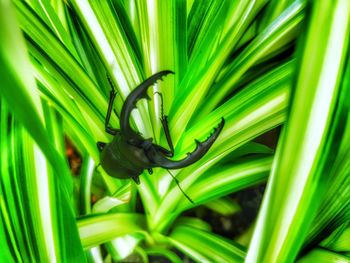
122 160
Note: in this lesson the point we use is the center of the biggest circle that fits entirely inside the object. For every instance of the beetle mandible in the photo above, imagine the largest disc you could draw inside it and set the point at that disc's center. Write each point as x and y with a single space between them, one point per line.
128 154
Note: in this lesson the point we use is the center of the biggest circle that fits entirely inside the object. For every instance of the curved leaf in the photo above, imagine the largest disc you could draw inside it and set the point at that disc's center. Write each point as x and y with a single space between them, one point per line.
98 229
204 246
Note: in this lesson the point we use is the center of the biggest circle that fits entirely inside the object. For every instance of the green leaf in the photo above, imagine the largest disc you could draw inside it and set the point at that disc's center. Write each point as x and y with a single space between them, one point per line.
98 229
339 240
334 209
19 89
193 222
224 206
5 241
121 196
306 150
198 80
273 10
47 48
271 40
38 230
324 256
121 247
48 14
38 225
107 34
224 180
204 246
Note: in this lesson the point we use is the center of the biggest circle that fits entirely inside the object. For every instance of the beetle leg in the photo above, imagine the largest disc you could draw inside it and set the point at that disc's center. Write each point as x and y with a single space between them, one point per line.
202 148
136 179
140 92
112 95
164 120
101 145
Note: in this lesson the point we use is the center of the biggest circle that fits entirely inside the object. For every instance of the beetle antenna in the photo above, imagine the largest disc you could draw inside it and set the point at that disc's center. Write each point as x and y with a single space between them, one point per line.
178 185
110 81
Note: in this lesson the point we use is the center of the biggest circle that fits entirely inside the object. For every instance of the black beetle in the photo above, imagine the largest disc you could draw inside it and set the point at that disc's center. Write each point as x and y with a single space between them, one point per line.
129 153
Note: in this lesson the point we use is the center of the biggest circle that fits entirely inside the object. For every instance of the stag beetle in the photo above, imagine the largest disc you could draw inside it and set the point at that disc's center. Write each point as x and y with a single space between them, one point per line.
128 154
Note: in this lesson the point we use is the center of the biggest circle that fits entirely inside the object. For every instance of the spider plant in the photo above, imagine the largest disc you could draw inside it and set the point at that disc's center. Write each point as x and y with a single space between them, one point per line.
259 64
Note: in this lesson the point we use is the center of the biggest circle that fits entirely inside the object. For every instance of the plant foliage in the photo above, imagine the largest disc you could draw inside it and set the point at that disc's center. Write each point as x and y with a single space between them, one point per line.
259 64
